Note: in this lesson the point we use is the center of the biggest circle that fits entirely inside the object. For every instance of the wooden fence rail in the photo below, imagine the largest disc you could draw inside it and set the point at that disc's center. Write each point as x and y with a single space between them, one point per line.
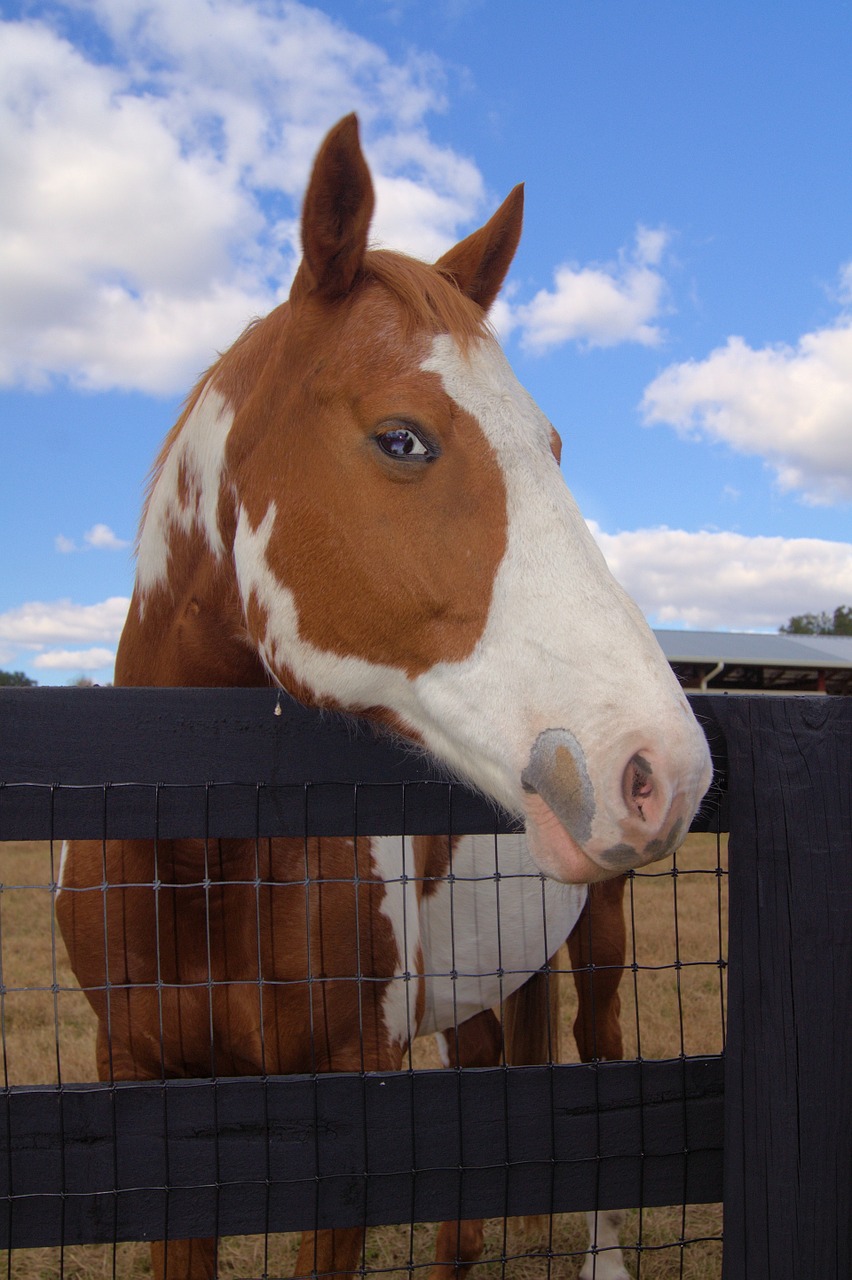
769 1129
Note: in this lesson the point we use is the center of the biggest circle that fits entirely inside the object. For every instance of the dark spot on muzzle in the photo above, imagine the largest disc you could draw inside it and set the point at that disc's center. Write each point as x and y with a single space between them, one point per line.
668 843
557 772
621 857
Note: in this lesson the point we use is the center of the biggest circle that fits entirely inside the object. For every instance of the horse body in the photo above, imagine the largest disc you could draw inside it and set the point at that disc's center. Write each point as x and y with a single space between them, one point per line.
361 504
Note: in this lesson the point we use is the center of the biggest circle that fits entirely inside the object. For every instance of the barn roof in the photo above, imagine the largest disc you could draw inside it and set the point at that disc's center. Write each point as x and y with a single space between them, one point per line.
757 649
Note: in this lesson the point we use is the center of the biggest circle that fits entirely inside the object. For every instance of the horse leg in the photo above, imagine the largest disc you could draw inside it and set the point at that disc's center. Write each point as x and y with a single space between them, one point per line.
353 1039
529 1035
476 1043
170 1259
330 1253
127 1045
604 1261
597 947
184 1259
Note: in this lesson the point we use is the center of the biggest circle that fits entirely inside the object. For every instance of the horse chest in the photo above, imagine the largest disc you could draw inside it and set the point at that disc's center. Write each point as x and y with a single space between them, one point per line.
476 934
490 926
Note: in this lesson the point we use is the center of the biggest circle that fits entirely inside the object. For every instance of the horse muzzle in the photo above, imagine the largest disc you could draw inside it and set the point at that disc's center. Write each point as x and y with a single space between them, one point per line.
586 824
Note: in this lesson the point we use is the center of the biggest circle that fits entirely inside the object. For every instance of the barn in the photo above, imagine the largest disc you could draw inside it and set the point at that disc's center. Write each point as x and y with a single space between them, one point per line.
750 662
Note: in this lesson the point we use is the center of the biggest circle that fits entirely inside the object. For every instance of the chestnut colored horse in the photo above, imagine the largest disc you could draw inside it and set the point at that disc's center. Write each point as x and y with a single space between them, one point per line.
361 504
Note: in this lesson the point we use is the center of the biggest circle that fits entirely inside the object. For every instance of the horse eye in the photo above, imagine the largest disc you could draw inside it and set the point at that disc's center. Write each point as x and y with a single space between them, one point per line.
402 442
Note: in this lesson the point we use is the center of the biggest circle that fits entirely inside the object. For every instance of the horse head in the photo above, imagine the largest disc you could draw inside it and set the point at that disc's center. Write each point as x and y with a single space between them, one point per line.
362 504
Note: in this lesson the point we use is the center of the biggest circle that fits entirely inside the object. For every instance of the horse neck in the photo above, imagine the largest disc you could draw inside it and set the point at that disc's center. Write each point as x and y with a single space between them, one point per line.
196 637
185 625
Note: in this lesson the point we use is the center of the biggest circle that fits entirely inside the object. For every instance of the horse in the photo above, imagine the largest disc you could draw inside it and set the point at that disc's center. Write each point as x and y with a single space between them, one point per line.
361 505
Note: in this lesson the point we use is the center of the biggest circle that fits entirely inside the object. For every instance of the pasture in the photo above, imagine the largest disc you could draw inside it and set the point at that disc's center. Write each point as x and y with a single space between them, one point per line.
673 995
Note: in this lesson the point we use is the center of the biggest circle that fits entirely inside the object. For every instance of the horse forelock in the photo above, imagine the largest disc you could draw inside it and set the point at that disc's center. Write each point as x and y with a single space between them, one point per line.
429 298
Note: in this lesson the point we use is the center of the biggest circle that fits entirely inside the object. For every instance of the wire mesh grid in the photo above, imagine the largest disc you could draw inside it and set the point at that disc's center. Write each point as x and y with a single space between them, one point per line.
214 959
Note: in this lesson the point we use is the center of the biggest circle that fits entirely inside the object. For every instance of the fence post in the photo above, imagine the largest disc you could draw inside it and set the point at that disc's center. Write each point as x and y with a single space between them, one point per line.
788 1077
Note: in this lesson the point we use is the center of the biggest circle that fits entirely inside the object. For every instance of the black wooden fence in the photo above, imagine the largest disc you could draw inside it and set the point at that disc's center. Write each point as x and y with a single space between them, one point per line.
767 1129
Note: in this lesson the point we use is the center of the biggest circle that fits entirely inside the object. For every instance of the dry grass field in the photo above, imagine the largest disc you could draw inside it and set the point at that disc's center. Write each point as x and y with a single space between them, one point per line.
673 1003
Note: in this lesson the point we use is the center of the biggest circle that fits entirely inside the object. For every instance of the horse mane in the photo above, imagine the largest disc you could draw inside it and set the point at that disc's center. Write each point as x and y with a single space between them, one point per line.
223 360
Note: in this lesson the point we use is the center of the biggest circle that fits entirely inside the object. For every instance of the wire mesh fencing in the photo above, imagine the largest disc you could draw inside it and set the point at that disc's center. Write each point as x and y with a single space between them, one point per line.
335 1032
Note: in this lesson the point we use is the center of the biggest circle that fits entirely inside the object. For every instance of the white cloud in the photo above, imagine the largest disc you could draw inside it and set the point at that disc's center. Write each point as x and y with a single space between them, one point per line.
600 306
99 538
502 318
844 289
102 538
791 405
74 660
150 203
724 580
60 635
38 624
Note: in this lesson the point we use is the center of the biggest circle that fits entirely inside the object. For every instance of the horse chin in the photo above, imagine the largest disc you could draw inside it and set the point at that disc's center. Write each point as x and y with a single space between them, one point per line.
555 852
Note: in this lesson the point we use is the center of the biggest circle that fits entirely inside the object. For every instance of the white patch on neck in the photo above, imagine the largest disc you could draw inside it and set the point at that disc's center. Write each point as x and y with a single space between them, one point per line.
197 457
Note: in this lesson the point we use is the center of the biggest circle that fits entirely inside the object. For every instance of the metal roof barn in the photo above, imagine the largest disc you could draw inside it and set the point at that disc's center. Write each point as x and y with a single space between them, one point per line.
755 662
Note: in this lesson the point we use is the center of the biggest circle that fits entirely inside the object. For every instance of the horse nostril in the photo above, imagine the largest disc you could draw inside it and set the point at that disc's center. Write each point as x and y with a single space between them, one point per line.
638 783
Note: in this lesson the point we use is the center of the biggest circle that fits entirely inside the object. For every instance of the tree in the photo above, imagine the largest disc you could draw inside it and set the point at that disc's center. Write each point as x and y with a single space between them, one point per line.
821 624
16 678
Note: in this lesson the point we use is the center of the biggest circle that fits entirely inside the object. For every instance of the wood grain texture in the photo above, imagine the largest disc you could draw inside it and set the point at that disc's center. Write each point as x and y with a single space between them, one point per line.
788 1081
84 763
91 1163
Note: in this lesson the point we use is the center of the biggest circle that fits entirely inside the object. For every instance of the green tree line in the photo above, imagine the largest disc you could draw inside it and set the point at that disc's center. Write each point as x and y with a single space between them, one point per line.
838 623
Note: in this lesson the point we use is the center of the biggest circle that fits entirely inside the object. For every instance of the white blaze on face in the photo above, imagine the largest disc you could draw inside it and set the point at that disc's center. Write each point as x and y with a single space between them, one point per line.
564 646
186 493
564 649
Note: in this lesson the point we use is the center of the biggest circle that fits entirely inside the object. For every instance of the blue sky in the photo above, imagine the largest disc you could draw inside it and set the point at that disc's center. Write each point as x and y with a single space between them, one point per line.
680 307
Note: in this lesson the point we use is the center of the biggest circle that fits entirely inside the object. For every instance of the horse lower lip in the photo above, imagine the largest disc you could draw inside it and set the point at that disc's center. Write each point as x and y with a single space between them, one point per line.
555 851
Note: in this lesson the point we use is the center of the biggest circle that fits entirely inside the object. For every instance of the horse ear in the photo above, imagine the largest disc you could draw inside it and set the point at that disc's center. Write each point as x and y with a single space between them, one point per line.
336 215
479 263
